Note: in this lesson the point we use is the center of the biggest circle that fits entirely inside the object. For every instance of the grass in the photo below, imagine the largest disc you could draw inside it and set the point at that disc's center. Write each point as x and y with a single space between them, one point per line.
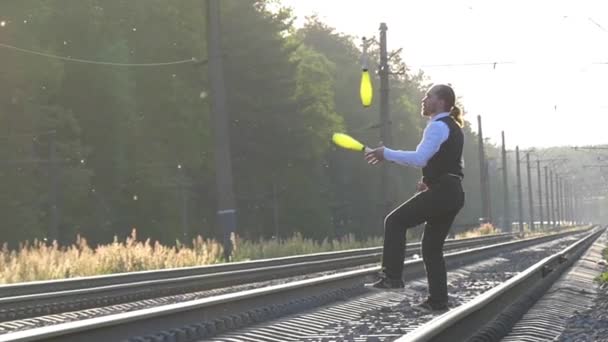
297 245
603 278
538 232
484 229
39 260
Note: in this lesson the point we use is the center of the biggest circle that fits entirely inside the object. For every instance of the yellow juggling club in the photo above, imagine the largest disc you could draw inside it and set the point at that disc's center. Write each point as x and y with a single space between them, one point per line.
366 90
349 143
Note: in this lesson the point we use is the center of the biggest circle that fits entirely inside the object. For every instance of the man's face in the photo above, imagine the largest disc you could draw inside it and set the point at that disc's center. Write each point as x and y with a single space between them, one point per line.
431 104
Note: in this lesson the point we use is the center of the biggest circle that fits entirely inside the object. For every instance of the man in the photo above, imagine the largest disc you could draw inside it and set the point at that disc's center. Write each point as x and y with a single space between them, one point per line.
439 198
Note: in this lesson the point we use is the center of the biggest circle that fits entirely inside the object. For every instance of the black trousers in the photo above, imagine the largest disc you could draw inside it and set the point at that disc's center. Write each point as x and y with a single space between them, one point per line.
437 206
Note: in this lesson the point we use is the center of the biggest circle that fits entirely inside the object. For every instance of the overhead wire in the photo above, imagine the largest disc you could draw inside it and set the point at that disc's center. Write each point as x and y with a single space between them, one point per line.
88 61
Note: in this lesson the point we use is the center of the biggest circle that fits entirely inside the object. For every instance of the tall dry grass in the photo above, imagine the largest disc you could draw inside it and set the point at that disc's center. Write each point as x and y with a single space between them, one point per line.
484 229
41 261
296 245
603 278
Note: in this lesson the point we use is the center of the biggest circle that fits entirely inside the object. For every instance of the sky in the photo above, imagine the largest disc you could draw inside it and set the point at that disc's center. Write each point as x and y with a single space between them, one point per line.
549 84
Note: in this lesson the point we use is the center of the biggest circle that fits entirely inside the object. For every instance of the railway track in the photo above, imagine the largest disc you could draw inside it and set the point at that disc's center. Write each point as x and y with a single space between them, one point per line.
201 318
27 300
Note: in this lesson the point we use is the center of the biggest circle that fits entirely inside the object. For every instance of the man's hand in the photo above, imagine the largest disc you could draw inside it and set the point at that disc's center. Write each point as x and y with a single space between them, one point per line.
421 186
375 156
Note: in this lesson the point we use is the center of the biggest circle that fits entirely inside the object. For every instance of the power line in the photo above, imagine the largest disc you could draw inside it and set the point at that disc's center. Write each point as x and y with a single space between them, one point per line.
196 61
493 64
80 60
462 64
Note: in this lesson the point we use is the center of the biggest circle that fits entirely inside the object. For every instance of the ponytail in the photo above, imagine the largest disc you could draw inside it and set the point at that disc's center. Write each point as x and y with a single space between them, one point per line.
456 114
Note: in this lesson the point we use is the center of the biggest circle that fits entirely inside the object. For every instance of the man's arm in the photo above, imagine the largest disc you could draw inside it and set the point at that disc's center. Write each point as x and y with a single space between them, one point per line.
434 135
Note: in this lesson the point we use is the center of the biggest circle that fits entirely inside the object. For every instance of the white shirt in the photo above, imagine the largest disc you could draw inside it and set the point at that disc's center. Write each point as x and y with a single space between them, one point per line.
435 133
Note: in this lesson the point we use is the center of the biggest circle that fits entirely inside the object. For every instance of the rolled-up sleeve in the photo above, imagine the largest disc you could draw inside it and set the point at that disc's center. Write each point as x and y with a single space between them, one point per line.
434 135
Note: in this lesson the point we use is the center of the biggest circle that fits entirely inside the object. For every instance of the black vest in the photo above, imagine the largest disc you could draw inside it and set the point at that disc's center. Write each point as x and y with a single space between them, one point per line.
449 157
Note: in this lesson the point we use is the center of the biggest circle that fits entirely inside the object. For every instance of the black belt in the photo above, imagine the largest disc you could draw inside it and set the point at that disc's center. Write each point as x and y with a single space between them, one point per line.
454 175
436 180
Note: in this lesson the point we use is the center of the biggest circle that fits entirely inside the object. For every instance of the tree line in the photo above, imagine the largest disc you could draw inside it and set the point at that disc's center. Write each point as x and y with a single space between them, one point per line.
100 149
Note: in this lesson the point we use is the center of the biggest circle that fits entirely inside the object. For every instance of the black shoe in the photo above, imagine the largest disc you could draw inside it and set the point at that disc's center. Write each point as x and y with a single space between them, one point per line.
430 306
386 283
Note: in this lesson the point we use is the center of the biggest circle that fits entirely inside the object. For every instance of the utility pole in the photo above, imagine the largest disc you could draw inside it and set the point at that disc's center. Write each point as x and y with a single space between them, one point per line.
574 204
385 131
577 206
505 186
184 198
275 210
551 185
569 203
549 222
226 211
565 201
519 196
482 172
562 199
489 190
540 195
530 199
558 200
54 233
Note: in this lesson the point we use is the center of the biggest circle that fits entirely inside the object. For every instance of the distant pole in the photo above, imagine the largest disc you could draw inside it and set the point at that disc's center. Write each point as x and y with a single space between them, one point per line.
54 203
519 195
562 200
385 131
547 195
530 199
226 211
489 190
482 171
562 217
275 210
540 195
185 223
574 204
505 186
574 200
552 189
577 206
569 202
566 203
184 196
558 200
562 185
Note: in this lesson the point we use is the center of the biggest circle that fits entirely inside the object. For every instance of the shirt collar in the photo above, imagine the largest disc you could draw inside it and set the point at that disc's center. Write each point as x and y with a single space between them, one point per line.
440 116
